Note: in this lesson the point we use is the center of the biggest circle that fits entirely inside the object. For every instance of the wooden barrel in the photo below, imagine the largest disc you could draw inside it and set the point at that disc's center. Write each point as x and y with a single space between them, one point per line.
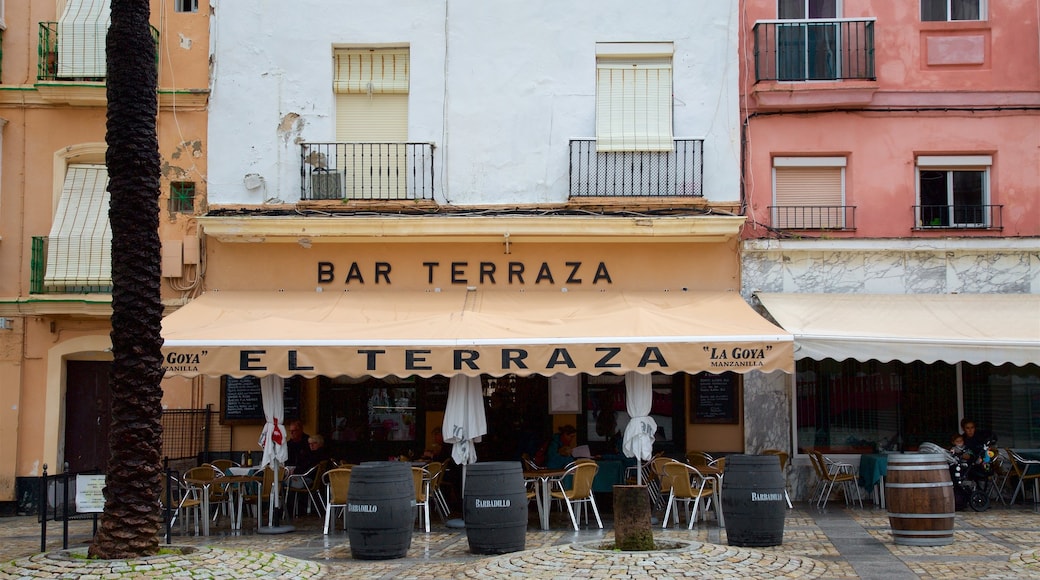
495 507
920 499
380 510
753 501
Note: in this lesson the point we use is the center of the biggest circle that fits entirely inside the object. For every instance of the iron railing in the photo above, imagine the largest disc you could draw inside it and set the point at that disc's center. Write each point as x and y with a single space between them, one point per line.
813 217
366 171
967 217
675 173
38 269
89 54
814 50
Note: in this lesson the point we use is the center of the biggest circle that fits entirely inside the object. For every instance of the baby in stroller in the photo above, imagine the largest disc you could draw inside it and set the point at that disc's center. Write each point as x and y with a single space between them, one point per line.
971 471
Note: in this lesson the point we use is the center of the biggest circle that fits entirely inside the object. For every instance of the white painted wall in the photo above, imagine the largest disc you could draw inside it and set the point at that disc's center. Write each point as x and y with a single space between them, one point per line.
499 86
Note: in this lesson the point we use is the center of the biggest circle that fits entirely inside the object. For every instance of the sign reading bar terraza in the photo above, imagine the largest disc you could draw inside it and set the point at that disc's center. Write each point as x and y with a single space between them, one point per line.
572 273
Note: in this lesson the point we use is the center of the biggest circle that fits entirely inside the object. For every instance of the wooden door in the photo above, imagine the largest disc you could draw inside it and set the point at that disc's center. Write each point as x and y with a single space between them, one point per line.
88 414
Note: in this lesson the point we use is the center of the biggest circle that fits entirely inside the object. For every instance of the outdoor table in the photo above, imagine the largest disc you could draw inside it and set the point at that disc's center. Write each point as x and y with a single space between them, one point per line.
873 467
543 476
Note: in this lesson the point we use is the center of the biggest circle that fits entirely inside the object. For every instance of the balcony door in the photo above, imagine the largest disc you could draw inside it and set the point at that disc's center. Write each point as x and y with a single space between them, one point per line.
371 88
808 50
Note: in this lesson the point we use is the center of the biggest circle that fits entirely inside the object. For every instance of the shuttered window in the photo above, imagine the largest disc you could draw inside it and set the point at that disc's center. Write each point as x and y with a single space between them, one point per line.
82 28
809 193
634 97
79 248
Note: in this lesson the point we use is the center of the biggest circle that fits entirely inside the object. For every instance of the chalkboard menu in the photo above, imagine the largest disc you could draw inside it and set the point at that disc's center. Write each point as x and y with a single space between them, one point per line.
715 399
243 403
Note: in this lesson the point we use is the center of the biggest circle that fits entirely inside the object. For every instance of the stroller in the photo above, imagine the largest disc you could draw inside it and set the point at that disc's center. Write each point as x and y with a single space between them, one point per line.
972 476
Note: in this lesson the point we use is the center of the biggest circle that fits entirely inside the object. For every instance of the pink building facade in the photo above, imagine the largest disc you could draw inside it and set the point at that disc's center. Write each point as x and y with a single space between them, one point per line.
891 155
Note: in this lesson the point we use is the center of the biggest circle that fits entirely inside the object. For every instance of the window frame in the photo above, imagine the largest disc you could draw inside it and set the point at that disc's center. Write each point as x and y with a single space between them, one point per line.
839 162
950 165
191 5
983 8
177 201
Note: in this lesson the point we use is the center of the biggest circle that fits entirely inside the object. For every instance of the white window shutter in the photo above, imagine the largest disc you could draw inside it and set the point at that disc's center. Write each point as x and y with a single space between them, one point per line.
634 104
371 71
79 248
82 29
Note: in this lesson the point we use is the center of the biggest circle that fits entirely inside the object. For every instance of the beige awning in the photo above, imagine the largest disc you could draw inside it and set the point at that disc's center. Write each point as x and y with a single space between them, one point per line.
496 332
973 328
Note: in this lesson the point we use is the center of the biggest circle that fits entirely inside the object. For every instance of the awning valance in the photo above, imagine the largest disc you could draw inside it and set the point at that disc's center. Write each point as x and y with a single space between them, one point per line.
973 328
497 332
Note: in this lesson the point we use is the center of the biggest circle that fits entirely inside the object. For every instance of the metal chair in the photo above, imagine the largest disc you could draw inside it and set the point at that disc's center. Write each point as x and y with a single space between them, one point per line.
1025 470
183 501
219 495
337 485
421 477
436 471
830 473
663 483
262 494
580 491
696 458
688 485
309 483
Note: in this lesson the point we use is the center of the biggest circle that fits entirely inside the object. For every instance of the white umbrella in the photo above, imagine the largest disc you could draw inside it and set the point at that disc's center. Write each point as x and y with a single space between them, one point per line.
639 434
465 421
273 437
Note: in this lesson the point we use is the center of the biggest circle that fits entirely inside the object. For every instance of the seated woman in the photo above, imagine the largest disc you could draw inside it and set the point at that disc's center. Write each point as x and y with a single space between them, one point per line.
561 445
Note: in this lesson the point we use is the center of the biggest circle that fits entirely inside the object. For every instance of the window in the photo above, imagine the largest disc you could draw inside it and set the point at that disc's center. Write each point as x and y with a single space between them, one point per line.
953 191
809 193
79 247
371 86
947 10
182 197
808 50
634 97
186 6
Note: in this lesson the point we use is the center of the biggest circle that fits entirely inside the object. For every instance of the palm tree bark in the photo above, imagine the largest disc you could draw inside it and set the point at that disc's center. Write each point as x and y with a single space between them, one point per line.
130 523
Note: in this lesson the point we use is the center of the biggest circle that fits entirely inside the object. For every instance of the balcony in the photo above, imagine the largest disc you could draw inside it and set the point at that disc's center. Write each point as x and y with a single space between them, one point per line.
676 173
72 70
813 217
366 171
85 278
958 217
814 50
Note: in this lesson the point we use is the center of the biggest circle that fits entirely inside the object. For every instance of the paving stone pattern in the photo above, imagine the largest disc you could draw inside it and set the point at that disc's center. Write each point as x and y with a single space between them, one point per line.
836 543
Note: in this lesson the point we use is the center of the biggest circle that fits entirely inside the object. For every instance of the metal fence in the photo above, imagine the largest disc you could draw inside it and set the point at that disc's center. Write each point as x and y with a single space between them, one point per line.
366 171
815 49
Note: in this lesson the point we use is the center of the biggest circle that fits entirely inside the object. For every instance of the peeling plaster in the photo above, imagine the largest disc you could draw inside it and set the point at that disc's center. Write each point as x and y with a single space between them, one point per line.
185 42
290 126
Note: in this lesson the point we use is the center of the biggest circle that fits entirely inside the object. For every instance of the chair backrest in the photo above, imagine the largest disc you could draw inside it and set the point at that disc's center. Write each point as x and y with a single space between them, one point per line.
436 471
223 464
783 455
698 458
338 480
686 481
265 487
319 470
719 464
662 476
816 458
584 473
420 476
202 472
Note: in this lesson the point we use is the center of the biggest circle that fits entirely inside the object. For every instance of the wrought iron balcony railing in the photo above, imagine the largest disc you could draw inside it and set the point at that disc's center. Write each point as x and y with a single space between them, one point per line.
814 50
676 173
38 269
81 58
366 171
813 217
962 217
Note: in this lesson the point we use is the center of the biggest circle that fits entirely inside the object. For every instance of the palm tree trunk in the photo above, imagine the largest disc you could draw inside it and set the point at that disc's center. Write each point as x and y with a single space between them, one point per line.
130 523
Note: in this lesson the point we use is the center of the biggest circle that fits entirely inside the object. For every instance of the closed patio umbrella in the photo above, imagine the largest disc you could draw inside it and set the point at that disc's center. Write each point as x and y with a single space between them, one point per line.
638 441
465 420
272 439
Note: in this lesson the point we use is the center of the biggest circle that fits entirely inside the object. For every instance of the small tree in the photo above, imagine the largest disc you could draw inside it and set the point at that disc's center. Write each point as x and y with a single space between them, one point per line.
130 523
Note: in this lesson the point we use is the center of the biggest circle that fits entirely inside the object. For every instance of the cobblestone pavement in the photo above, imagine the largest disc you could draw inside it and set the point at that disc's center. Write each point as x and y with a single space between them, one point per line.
836 543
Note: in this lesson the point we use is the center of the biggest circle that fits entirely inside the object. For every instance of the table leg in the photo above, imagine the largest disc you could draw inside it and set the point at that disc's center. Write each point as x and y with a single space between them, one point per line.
205 510
546 503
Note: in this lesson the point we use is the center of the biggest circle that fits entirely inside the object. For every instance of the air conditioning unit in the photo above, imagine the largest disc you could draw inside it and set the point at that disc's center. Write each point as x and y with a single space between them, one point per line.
326 185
